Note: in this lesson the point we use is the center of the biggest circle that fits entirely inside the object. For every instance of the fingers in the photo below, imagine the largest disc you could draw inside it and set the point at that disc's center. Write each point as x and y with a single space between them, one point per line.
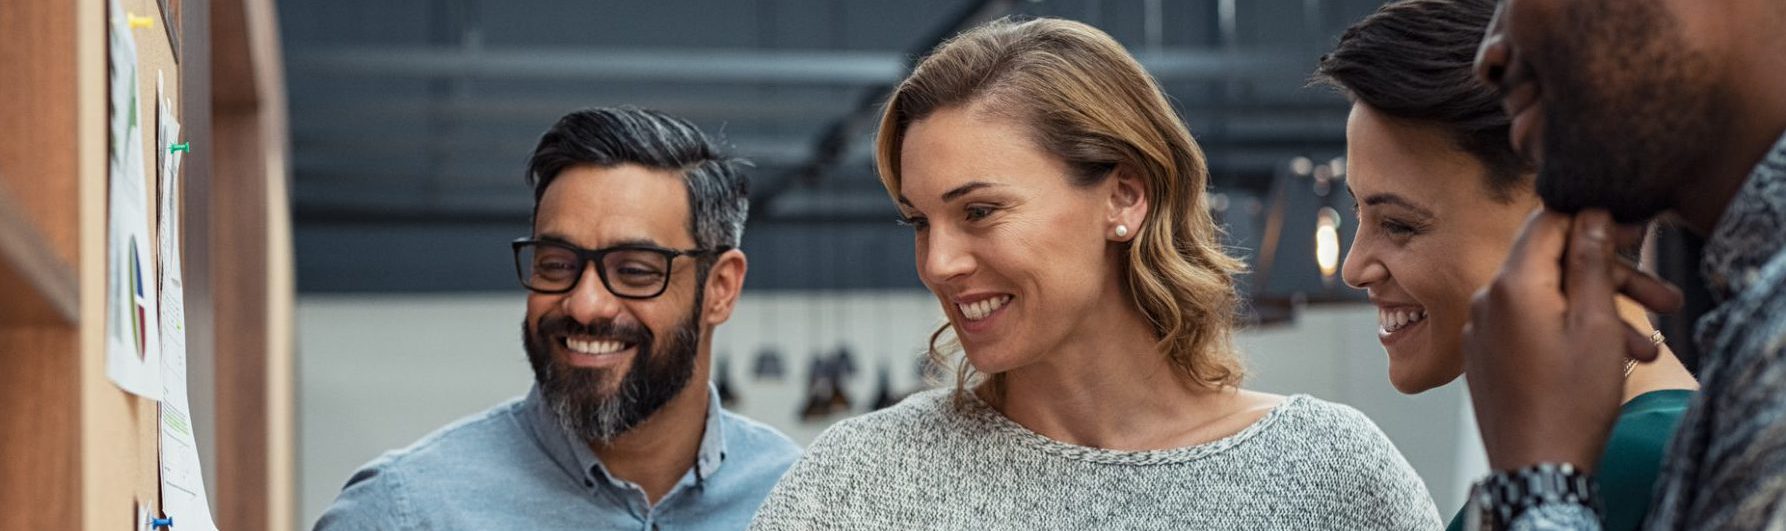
1647 289
1539 248
1638 345
1594 275
1587 280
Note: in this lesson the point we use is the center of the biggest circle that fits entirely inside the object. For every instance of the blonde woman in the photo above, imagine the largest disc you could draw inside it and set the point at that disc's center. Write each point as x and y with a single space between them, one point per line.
1058 208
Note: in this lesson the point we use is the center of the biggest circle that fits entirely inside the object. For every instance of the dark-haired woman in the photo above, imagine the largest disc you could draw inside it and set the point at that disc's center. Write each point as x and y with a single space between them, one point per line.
1441 196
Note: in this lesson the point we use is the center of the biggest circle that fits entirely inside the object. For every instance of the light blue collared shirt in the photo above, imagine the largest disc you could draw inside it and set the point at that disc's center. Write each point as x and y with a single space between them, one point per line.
513 467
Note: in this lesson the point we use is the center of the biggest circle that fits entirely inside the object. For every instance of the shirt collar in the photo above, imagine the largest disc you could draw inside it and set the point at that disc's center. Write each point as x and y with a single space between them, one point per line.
713 438
574 456
1748 234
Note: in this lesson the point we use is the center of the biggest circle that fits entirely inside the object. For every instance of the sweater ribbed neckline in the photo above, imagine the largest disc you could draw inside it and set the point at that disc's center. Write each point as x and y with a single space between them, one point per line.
979 411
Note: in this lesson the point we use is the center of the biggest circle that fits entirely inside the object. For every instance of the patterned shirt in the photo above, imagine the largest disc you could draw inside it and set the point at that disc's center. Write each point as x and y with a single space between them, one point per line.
1726 467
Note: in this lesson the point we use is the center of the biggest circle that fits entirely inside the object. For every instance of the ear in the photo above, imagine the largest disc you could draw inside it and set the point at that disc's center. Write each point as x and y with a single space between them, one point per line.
724 282
1126 205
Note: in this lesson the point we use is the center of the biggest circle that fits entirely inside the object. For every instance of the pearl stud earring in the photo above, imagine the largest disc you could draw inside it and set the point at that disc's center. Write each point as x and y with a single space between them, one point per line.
1122 231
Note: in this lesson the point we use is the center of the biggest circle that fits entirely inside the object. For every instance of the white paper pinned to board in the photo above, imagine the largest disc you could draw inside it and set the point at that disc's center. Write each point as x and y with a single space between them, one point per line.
182 475
132 345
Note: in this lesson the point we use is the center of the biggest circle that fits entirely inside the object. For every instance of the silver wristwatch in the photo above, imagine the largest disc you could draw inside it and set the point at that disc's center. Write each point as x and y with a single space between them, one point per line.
1503 496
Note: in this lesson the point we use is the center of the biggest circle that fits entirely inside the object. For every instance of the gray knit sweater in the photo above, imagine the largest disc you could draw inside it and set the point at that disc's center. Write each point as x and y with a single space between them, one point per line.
1308 464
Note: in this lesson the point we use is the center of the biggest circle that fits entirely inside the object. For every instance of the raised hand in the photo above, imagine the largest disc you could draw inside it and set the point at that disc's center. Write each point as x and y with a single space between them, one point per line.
1544 350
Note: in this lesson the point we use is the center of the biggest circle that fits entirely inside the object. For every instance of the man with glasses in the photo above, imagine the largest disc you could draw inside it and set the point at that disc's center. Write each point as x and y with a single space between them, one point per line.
633 261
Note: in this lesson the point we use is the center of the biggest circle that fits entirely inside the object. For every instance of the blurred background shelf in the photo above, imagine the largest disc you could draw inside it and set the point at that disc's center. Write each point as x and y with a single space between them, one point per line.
40 288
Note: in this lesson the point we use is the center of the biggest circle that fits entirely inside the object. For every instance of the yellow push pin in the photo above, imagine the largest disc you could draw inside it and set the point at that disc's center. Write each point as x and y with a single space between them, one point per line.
141 22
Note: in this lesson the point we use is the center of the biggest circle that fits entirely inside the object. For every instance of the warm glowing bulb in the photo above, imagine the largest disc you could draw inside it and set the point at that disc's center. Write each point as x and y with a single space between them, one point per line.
1327 247
1301 166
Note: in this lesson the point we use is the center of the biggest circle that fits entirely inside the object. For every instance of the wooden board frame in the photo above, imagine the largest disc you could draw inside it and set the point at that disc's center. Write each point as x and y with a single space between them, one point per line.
76 452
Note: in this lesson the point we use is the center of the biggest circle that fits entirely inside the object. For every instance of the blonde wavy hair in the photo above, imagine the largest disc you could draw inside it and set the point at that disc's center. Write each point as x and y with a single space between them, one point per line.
1086 100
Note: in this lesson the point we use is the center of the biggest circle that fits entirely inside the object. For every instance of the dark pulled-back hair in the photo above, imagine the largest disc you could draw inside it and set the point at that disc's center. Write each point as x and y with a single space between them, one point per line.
718 191
1413 60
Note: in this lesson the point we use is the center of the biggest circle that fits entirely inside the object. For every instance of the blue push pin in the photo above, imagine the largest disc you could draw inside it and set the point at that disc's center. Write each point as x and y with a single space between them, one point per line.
159 523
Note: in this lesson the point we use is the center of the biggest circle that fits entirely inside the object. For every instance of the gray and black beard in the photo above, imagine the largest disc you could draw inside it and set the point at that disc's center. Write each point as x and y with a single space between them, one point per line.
576 394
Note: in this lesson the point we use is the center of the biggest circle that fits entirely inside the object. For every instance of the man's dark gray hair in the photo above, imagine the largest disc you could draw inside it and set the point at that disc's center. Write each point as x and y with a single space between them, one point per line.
718 191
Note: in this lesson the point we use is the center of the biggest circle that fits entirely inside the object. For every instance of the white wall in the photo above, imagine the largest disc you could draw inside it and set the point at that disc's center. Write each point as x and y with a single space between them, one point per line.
377 372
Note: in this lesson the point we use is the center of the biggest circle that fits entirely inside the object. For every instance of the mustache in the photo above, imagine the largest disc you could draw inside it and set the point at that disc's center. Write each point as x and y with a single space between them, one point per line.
558 326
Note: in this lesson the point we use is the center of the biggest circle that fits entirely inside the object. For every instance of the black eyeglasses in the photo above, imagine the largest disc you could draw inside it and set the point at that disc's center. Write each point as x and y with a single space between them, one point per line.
628 271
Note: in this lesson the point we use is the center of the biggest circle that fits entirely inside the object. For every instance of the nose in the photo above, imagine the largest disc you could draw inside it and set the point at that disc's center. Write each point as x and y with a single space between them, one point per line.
1361 268
1495 53
590 301
944 256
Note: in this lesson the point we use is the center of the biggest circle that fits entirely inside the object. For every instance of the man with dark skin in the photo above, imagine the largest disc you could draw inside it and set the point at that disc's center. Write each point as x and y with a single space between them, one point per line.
1634 109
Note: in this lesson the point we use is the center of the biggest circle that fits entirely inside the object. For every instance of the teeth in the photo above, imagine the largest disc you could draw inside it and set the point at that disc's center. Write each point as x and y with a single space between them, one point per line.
593 347
975 311
1395 320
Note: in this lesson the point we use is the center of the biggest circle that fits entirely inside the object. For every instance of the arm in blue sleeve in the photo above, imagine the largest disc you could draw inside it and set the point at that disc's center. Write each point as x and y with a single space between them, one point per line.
372 500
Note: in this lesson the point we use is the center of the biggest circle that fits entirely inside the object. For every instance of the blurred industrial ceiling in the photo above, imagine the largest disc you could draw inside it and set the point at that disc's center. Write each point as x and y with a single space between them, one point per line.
412 120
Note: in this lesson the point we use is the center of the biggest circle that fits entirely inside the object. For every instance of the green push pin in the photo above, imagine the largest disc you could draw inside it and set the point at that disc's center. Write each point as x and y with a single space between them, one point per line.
185 147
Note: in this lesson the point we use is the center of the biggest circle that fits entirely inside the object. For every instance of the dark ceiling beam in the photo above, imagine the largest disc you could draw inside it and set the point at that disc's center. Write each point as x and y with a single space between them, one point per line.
538 112
369 140
607 64
371 150
725 65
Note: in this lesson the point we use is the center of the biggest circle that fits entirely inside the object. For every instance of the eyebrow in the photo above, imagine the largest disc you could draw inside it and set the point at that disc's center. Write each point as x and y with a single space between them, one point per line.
560 238
955 193
1387 198
962 190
